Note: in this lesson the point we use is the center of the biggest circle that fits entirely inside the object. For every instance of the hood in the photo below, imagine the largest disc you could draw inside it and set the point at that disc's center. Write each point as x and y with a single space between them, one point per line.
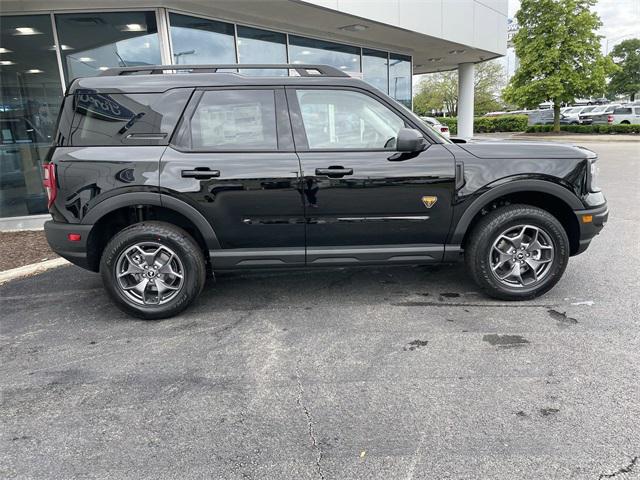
520 150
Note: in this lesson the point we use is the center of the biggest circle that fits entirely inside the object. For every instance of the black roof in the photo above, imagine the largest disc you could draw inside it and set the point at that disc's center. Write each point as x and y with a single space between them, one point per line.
159 78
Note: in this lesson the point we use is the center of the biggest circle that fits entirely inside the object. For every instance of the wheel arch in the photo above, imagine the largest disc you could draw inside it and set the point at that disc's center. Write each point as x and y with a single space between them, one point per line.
551 197
112 215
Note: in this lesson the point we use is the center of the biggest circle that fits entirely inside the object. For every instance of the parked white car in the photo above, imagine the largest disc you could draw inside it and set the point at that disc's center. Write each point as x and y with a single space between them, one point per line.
625 115
437 126
573 114
587 118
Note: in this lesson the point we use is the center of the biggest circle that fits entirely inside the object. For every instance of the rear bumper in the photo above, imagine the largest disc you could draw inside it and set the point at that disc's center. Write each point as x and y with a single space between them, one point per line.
589 229
75 251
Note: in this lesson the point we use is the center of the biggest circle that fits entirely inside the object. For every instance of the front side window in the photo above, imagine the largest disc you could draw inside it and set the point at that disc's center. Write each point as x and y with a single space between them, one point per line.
235 120
342 119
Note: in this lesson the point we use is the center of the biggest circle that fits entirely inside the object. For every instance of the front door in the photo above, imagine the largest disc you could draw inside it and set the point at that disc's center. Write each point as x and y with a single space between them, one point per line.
233 160
364 201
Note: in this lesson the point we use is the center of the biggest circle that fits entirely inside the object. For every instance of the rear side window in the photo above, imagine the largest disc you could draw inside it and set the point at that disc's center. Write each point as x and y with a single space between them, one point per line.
622 111
235 120
126 119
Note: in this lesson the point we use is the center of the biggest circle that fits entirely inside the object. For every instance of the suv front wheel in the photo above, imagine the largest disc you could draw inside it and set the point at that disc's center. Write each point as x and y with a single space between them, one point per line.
517 252
153 269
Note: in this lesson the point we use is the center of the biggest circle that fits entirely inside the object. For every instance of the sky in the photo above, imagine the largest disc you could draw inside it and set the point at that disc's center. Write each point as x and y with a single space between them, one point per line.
620 18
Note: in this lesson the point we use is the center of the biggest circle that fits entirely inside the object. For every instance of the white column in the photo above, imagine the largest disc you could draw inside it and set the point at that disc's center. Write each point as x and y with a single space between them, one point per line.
465 99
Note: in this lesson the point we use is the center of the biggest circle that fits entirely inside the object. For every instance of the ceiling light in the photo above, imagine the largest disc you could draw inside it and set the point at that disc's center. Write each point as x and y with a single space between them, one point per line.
34 70
86 59
357 27
134 27
6 62
62 47
26 31
5 50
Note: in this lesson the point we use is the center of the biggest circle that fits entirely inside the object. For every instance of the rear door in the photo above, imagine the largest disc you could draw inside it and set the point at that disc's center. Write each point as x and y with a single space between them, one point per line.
364 201
233 160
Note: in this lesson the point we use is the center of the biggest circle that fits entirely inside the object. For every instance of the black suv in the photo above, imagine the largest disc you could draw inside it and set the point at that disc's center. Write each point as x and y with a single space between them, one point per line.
161 175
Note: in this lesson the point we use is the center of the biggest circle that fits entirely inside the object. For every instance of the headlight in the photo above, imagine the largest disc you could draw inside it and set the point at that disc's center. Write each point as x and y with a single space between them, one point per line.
592 175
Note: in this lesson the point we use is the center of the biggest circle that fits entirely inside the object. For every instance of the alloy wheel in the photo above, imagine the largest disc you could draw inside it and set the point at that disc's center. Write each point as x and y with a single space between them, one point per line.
149 273
521 256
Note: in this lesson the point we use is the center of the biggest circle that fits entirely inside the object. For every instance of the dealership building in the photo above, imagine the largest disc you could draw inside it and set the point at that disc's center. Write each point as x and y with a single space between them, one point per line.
46 44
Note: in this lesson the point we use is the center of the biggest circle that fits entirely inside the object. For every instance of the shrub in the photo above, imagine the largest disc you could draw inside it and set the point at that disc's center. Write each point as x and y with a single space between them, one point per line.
504 123
603 129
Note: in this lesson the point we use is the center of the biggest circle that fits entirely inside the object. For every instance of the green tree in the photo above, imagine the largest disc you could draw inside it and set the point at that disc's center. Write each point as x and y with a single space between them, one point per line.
559 53
439 91
626 79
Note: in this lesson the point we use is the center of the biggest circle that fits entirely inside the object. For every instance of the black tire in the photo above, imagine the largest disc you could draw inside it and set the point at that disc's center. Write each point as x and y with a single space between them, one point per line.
180 243
479 246
625 122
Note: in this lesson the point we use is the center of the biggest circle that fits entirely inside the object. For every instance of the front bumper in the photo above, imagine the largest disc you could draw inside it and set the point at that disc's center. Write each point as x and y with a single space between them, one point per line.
589 229
74 251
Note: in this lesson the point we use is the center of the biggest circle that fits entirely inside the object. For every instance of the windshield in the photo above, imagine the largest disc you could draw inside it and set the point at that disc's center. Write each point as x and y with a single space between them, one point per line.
422 122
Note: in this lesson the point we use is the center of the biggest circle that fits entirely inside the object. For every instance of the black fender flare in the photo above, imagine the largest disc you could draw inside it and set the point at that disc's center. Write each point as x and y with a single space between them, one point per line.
542 186
156 199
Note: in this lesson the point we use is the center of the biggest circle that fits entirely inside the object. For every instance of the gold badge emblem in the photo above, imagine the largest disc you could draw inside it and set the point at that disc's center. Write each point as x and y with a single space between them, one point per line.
429 201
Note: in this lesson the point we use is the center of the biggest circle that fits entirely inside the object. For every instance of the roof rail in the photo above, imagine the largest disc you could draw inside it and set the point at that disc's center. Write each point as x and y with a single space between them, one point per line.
303 70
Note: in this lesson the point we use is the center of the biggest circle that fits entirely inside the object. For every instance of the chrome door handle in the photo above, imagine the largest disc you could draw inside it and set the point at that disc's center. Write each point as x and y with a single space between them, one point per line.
334 171
201 173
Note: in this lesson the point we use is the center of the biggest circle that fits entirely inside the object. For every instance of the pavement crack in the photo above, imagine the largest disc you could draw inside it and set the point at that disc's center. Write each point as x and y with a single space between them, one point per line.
311 431
626 469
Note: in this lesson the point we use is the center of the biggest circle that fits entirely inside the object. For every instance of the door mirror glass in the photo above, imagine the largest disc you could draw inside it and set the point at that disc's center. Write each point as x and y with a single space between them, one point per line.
410 140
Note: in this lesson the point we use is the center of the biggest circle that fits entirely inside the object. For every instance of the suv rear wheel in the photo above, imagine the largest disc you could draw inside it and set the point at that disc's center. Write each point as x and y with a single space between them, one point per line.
153 269
517 252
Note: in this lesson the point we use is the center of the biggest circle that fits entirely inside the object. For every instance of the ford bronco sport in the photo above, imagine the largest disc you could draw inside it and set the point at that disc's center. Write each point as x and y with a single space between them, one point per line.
162 175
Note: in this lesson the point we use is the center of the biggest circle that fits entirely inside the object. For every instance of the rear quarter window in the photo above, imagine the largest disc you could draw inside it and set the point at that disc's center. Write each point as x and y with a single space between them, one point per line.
102 119
622 111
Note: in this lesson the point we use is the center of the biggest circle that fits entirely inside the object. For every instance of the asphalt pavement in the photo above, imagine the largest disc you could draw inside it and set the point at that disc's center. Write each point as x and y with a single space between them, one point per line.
366 373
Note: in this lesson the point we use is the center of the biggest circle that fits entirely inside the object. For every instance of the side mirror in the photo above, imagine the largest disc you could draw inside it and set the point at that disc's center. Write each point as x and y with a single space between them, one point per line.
458 140
410 140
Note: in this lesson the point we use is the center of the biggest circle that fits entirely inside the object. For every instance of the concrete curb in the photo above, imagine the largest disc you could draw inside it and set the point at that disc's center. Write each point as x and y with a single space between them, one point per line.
32 269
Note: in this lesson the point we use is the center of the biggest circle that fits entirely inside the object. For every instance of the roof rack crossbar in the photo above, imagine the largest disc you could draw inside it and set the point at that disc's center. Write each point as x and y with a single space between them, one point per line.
302 70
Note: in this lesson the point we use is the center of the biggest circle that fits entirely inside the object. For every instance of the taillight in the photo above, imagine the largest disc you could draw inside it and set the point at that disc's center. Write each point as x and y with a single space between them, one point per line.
49 182
609 118
444 129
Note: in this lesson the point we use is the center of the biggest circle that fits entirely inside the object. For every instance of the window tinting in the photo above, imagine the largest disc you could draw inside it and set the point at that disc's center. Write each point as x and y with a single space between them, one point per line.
201 41
307 50
261 46
341 119
117 119
622 111
400 78
375 69
92 42
235 120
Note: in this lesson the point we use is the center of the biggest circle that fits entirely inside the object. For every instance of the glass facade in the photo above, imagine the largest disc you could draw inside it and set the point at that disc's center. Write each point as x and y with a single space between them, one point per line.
201 41
30 96
375 68
89 42
261 46
92 42
400 78
309 50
